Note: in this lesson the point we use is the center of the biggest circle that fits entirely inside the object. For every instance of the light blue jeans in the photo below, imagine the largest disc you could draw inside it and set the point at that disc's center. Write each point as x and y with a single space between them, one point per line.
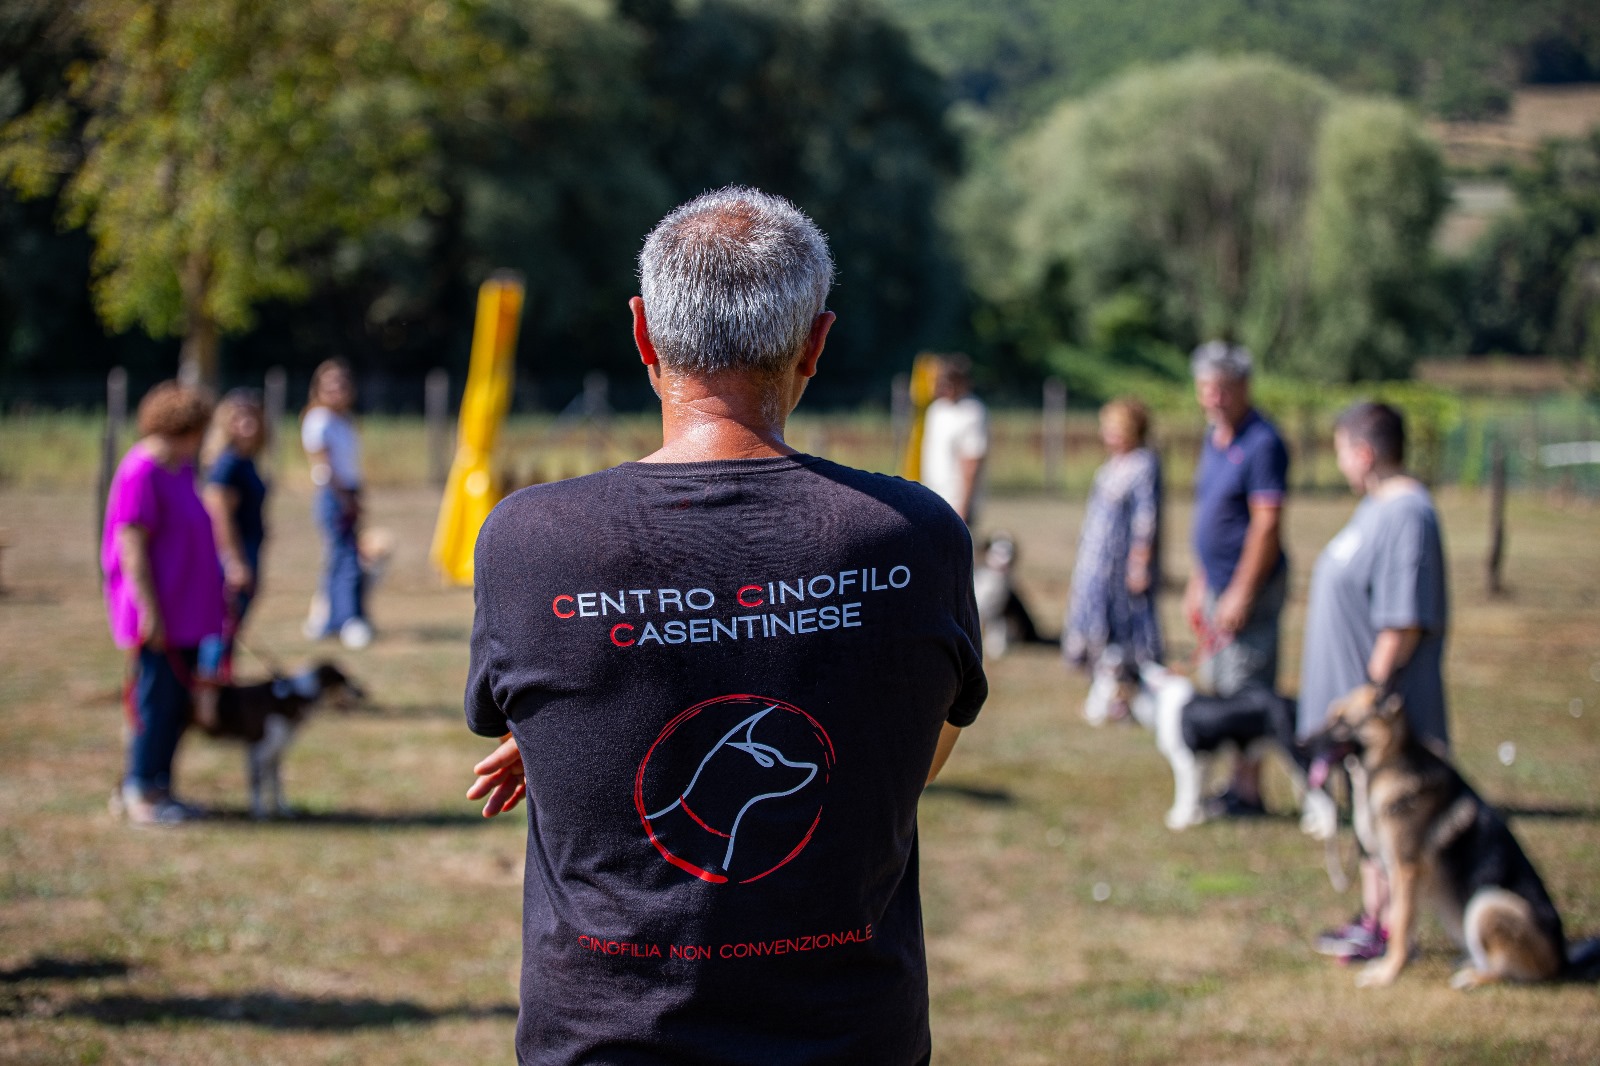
342 579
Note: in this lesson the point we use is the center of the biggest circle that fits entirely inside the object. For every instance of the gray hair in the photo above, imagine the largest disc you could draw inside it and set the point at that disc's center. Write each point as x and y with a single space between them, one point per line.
733 280
1221 359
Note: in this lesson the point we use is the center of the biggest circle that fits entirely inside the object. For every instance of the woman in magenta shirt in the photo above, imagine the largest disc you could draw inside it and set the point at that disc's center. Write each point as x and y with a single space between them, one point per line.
163 589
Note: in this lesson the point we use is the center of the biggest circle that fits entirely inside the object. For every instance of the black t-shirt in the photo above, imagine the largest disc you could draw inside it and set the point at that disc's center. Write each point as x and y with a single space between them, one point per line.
234 471
727 680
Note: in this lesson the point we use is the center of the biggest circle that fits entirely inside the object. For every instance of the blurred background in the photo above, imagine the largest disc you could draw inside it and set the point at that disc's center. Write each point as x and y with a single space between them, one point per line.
1353 188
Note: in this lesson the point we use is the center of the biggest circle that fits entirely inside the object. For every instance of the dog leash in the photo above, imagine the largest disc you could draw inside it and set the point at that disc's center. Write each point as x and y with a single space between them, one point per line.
273 665
1212 640
130 682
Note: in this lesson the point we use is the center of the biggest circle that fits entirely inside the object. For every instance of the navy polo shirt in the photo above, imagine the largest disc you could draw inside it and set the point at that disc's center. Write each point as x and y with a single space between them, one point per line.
1253 468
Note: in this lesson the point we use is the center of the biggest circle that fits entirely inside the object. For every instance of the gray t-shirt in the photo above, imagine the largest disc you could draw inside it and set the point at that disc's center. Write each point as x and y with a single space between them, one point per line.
1384 570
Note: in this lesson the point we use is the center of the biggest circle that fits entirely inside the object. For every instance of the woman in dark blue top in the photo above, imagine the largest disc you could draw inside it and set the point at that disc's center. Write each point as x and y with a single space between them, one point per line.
236 497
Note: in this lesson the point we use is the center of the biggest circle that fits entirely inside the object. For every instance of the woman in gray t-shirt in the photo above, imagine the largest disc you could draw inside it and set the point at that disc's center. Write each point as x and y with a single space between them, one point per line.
1378 591
1378 609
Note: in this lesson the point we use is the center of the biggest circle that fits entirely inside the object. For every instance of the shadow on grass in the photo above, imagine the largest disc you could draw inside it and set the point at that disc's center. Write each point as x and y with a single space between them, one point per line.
412 711
49 968
996 796
467 819
272 1010
430 634
1577 814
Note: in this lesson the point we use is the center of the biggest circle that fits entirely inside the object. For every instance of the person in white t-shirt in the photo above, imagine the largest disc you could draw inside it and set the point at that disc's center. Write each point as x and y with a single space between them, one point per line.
333 448
955 439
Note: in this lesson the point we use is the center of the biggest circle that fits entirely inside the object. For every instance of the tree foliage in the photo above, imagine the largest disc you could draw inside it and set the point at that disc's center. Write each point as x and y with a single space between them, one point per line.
1216 198
1017 58
342 175
209 147
1534 283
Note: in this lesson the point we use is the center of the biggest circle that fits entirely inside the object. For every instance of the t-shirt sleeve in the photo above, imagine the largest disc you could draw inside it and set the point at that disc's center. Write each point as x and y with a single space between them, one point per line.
485 716
971 440
314 430
1406 573
1267 474
133 500
225 471
1145 501
974 683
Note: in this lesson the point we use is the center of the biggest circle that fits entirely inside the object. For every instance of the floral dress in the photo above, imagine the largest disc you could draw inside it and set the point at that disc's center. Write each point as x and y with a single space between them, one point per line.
1123 511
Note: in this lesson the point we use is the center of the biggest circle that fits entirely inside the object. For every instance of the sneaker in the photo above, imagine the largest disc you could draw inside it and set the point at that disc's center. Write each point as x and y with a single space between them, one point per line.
1230 805
1356 941
143 811
355 634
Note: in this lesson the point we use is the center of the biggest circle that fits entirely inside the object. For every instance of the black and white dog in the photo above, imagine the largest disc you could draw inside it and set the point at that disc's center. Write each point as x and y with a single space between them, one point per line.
265 717
1001 612
1190 729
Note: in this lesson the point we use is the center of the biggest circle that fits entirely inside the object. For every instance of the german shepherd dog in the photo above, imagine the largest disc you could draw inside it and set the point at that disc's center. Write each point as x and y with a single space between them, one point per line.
1438 839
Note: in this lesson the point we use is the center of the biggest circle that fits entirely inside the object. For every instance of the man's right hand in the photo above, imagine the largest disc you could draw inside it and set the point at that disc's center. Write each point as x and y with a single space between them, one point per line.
500 777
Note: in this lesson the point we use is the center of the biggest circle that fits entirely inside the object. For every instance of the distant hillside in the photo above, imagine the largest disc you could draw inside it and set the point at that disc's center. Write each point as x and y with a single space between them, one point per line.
1536 114
1456 58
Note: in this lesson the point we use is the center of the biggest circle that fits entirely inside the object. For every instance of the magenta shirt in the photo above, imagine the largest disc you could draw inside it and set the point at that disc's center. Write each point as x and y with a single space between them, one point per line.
183 554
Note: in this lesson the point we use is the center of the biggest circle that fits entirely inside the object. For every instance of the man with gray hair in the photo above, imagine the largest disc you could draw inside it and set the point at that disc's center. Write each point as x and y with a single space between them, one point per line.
1239 577
684 658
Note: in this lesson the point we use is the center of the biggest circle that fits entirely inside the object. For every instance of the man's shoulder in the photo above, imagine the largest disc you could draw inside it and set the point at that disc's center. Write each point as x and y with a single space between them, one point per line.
535 502
807 479
909 497
1261 432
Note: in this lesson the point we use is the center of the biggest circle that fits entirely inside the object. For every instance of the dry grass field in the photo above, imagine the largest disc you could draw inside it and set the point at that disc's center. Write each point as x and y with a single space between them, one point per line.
1065 924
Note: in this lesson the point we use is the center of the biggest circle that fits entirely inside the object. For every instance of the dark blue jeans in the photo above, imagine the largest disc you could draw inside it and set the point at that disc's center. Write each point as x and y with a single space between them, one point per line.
342 580
161 710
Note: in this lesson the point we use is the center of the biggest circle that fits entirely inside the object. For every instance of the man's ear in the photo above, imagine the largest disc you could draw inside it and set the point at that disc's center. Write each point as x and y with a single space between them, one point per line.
807 367
641 333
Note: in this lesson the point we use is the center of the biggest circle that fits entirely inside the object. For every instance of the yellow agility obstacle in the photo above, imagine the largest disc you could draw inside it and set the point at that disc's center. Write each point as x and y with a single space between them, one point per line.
924 377
471 491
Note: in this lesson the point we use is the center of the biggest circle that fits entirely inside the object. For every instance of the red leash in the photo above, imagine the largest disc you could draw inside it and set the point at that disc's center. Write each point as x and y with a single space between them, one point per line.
1212 640
130 680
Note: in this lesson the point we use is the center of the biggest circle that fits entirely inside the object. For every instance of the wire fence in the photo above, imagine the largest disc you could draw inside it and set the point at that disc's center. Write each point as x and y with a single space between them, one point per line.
52 434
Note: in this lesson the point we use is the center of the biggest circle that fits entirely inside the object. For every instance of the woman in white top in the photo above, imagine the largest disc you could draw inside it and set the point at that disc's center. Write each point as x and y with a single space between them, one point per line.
333 447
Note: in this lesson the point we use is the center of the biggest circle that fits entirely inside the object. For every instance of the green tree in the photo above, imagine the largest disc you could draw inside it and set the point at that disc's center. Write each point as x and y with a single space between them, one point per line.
1534 282
1379 193
1018 58
210 148
1214 198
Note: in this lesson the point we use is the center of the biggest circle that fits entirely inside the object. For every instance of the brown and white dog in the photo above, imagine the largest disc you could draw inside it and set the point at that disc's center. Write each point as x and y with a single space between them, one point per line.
1440 842
265 718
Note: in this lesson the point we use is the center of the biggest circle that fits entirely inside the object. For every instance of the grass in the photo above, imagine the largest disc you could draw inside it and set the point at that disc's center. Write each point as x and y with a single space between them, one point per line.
1065 924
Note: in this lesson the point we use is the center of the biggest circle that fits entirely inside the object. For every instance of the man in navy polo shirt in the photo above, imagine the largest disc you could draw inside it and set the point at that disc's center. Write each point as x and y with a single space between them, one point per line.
1239 577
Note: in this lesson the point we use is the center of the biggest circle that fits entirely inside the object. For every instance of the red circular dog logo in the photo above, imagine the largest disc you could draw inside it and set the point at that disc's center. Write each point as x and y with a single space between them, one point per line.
732 788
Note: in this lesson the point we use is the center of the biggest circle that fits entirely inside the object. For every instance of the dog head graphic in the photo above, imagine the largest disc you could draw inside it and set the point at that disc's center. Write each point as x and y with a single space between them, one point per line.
726 798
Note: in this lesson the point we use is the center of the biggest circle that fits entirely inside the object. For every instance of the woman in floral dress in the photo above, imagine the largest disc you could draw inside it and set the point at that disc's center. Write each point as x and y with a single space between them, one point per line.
1116 575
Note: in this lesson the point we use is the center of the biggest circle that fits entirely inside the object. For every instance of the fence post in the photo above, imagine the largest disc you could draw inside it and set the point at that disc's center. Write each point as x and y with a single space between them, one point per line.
274 398
436 415
597 412
899 418
110 445
1308 447
1497 514
1053 429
